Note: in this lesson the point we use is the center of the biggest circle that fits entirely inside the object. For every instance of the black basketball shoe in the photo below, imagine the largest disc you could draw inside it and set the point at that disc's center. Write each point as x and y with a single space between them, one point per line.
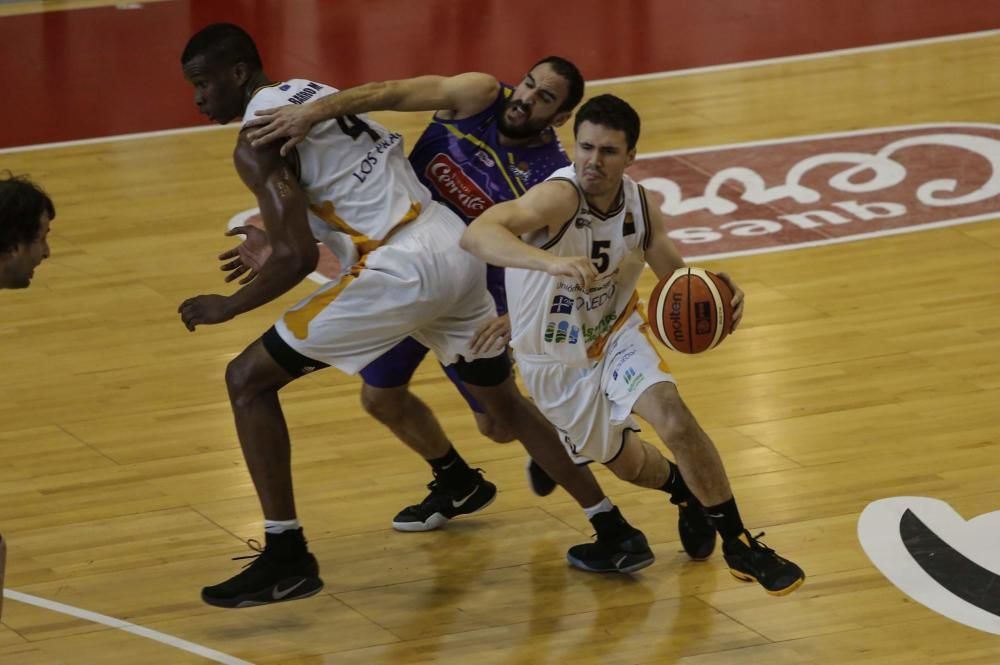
444 503
695 529
283 570
620 547
538 480
749 560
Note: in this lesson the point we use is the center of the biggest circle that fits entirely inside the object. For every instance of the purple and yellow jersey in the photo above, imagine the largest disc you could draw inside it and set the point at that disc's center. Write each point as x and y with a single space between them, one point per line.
464 166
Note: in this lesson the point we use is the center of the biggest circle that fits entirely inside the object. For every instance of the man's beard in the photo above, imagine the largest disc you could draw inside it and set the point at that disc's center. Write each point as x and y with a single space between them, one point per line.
529 129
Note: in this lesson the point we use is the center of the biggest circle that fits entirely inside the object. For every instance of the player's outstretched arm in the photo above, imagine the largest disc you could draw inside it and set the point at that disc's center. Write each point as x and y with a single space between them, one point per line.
494 235
283 208
460 96
663 257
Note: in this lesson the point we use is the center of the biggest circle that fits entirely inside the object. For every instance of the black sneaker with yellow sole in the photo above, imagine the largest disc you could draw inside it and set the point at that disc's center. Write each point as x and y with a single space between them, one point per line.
749 560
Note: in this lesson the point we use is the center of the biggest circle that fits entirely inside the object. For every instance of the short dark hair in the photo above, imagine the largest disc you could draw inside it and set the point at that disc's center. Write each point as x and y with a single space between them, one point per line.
223 44
22 203
568 71
612 112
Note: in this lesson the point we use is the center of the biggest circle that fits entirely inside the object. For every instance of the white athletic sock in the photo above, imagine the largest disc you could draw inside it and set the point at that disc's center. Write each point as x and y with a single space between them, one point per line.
281 526
603 507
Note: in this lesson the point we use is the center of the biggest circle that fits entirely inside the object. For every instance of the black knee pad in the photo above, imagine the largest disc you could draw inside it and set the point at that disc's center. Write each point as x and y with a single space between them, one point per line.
484 371
290 360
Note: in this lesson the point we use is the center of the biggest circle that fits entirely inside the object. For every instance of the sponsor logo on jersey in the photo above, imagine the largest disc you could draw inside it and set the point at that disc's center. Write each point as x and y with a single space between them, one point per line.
591 334
561 333
485 159
561 305
772 195
632 378
617 360
456 187
521 170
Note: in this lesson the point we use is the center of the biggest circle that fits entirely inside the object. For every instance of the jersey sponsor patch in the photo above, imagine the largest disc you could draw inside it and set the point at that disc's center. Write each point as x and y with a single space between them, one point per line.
813 190
561 305
456 187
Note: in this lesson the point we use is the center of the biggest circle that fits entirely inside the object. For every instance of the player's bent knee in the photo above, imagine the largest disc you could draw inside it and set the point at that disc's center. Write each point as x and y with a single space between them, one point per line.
383 404
629 462
267 365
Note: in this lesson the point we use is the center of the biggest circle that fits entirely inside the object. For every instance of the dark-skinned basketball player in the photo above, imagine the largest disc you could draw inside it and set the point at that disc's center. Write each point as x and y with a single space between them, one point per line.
585 235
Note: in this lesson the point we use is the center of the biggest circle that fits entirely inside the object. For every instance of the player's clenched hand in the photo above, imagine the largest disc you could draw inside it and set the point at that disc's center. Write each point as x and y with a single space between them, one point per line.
578 268
204 310
293 121
737 300
248 256
492 335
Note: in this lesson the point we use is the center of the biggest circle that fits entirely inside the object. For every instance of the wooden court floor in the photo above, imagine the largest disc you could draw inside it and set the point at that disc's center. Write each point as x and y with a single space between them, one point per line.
863 370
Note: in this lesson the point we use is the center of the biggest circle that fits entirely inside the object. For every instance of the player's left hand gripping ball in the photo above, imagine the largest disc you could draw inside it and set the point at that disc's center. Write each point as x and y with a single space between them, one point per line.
204 310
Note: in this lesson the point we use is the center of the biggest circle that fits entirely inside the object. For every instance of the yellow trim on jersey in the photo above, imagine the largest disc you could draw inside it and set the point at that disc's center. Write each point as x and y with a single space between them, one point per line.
657 347
298 320
478 143
596 350
363 243
269 85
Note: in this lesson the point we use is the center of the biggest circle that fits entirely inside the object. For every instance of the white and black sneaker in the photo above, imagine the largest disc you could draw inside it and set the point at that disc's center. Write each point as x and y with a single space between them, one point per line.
283 570
445 503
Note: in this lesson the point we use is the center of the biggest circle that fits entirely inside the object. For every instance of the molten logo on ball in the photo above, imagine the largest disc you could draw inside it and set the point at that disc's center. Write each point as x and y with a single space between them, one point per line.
691 310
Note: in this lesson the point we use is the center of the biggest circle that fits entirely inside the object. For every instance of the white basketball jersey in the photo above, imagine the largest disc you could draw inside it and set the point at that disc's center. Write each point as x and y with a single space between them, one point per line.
554 316
353 170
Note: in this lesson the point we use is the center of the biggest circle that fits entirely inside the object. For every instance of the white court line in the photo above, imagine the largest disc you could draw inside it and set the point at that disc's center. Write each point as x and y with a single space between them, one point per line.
169 640
836 241
621 79
797 58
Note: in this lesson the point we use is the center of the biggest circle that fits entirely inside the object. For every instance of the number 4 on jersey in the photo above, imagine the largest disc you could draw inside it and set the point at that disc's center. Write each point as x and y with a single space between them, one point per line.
354 127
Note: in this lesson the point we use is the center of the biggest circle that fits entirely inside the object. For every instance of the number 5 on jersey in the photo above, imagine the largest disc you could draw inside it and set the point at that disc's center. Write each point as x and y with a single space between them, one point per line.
599 253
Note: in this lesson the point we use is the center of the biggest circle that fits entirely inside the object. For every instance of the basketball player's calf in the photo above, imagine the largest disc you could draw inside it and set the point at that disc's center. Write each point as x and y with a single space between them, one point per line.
641 464
698 459
283 569
457 489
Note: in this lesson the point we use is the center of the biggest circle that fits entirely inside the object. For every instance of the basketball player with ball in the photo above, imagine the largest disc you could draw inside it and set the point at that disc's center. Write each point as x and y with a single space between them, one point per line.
575 246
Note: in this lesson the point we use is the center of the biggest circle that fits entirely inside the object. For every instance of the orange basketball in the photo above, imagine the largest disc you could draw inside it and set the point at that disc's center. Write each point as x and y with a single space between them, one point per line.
691 310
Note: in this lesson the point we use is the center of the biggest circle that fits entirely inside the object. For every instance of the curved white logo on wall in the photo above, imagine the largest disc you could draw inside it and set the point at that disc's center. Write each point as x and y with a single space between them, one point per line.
813 190
936 557
328 267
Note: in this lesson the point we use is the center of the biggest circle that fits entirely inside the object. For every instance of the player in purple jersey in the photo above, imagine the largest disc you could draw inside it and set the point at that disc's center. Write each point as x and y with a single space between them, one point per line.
487 143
